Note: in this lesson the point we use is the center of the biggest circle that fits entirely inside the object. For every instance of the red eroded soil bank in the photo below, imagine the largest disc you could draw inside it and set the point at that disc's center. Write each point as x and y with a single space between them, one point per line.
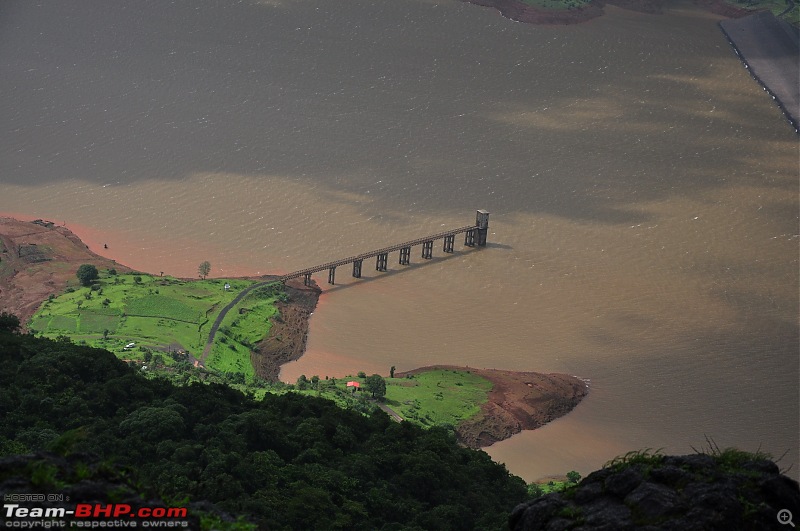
289 332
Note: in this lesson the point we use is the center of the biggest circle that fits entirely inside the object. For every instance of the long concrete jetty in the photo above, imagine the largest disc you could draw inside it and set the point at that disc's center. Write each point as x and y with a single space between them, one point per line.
474 235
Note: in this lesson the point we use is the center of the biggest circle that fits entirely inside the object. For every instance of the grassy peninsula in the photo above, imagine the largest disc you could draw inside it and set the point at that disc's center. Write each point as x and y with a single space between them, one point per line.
163 320
435 397
480 406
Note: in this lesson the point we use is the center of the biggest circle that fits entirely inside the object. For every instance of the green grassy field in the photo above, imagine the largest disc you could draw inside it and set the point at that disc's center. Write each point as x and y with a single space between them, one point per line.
437 397
161 315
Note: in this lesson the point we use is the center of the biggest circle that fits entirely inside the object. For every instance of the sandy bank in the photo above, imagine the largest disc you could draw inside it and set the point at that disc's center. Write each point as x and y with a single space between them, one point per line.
518 401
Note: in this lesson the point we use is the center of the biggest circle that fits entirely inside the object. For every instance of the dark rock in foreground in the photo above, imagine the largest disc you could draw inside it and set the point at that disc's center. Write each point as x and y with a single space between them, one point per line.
729 490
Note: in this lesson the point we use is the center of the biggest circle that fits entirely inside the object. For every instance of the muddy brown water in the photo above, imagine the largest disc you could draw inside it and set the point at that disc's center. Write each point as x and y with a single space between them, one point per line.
643 190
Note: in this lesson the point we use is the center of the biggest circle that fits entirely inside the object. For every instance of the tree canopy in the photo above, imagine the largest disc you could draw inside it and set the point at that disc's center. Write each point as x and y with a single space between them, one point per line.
9 322
376 385
87 273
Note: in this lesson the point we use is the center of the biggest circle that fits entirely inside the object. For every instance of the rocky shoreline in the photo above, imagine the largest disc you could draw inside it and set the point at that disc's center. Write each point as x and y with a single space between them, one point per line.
721 490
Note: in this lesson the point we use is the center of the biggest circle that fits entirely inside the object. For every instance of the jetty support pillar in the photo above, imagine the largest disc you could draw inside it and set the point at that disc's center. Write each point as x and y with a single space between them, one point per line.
469 238
357 268
405 255
482 225
331 275
427 249
307 279
380 262
449 241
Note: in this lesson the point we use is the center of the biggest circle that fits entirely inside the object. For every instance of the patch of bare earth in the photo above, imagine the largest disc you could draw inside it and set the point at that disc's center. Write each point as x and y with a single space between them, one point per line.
518 401
39 259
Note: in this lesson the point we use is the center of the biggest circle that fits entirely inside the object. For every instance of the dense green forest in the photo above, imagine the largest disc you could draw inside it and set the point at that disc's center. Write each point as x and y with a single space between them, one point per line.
284 462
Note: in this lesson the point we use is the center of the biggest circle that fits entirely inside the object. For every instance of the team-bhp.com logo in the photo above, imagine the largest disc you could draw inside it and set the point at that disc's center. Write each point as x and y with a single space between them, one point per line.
92 515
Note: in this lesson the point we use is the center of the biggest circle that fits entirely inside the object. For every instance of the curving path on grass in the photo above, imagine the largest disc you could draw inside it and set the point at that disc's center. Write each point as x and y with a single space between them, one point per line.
213 332
394 415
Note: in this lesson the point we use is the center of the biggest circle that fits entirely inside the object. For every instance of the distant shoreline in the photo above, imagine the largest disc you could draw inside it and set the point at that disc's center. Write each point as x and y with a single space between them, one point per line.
522 12
517 401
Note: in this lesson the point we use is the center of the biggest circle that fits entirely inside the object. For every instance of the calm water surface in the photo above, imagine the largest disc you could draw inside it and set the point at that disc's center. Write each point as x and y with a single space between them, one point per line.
643 190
